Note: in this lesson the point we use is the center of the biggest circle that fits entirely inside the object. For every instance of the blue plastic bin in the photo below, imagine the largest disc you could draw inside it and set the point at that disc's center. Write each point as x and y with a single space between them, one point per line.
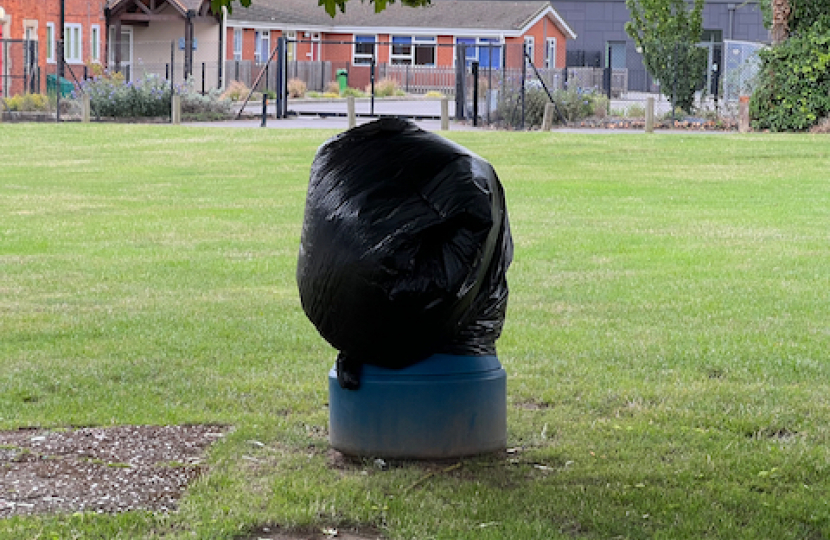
443 407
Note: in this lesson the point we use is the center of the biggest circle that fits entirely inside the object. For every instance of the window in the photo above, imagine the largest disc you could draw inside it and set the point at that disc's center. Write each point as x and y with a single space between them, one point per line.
237 44
364 50
470 50
616 53
291 45
489 53
50 42
486 50
73 48
529 48
550 53
418 50
95 43
263 46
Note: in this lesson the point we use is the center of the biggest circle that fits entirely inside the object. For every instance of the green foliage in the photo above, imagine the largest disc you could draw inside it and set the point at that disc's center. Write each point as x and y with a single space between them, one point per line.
572 104
386 88
112 96
802 15
668 34
793 91
27 103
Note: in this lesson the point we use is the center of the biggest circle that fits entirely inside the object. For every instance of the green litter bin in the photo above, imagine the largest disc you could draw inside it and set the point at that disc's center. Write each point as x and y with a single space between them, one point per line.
66 87
342 80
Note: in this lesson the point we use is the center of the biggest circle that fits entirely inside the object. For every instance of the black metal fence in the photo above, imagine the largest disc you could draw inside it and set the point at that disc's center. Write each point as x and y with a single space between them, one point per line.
19 67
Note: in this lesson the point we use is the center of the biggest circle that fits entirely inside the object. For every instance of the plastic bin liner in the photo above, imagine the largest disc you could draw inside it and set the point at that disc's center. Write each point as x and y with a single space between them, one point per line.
404 248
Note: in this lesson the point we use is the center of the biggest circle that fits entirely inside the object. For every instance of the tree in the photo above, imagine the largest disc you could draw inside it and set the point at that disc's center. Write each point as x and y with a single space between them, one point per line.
792 91
331 6
667 34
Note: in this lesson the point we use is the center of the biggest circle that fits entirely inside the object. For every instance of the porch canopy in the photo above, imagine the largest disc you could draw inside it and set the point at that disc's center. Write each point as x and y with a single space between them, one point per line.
145 12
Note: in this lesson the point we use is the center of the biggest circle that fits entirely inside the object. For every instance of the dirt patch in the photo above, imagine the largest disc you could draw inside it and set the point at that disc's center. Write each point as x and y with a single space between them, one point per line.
325 533
100 469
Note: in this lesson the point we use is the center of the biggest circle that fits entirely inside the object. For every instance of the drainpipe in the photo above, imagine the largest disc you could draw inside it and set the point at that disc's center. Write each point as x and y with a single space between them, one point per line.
223 48
731 8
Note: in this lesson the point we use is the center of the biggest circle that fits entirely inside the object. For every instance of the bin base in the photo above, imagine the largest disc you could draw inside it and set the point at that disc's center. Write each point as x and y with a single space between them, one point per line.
443 407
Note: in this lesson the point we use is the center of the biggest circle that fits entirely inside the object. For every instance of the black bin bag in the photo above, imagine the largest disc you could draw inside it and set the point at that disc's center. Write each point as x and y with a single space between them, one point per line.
404 248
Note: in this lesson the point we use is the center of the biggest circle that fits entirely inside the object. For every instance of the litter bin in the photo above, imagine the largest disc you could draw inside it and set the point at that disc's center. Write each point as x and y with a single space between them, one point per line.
66 87
342 80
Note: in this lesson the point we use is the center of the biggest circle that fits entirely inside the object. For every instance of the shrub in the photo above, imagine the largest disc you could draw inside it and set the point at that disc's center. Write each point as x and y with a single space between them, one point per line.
434 94
110 95
635 111
297 88
333 87
28 103
236 91
793 89
385 88
572 104
210 105
353 92
149 96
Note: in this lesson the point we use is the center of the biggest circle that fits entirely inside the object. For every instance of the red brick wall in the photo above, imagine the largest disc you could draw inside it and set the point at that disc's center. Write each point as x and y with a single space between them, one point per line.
83 12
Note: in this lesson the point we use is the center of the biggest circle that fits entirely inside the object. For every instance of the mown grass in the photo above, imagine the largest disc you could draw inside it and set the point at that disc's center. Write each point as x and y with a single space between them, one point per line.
666 341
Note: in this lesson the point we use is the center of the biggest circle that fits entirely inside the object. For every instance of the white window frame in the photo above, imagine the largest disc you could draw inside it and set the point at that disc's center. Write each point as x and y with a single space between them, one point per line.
415 43
262 36
237 44
530 46
401 57
125 62
50 43
471 44
291 36
363 59
550 59
73 43
95 43
486 44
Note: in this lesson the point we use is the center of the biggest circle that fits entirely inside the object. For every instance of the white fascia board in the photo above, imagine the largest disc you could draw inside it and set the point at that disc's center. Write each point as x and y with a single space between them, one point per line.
376 30
557 20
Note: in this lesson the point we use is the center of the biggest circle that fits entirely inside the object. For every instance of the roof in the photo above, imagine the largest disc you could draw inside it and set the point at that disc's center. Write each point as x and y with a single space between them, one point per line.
511 18
182 6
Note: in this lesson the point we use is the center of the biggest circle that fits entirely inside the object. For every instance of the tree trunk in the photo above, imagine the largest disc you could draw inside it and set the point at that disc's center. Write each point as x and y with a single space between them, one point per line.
780 30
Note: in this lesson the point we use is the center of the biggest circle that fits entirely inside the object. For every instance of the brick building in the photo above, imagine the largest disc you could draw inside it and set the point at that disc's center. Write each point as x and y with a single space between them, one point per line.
29 33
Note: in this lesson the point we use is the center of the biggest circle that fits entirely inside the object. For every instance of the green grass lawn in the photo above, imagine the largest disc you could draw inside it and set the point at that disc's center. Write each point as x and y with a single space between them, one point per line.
666 344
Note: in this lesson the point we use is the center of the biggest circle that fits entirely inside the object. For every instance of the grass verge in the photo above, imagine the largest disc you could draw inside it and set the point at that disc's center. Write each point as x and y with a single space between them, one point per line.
666 341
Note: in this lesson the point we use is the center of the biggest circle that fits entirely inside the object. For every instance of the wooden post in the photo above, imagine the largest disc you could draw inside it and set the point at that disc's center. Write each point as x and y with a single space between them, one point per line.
86 105
547 119
351 113
445 114
650 115
743 114
176 113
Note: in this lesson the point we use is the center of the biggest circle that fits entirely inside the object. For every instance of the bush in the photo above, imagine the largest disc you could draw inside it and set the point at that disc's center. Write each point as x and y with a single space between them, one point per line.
635 111
210 105
28 103
111 96
793 88
333 87
353 92
297 88
386 88
572 104
236 91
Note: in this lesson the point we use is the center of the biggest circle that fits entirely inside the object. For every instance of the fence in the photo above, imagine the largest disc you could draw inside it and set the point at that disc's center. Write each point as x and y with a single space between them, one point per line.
508 78
19 68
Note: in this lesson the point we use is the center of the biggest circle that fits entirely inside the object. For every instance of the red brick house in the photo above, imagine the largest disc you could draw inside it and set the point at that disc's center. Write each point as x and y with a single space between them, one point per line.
492 32
29 31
